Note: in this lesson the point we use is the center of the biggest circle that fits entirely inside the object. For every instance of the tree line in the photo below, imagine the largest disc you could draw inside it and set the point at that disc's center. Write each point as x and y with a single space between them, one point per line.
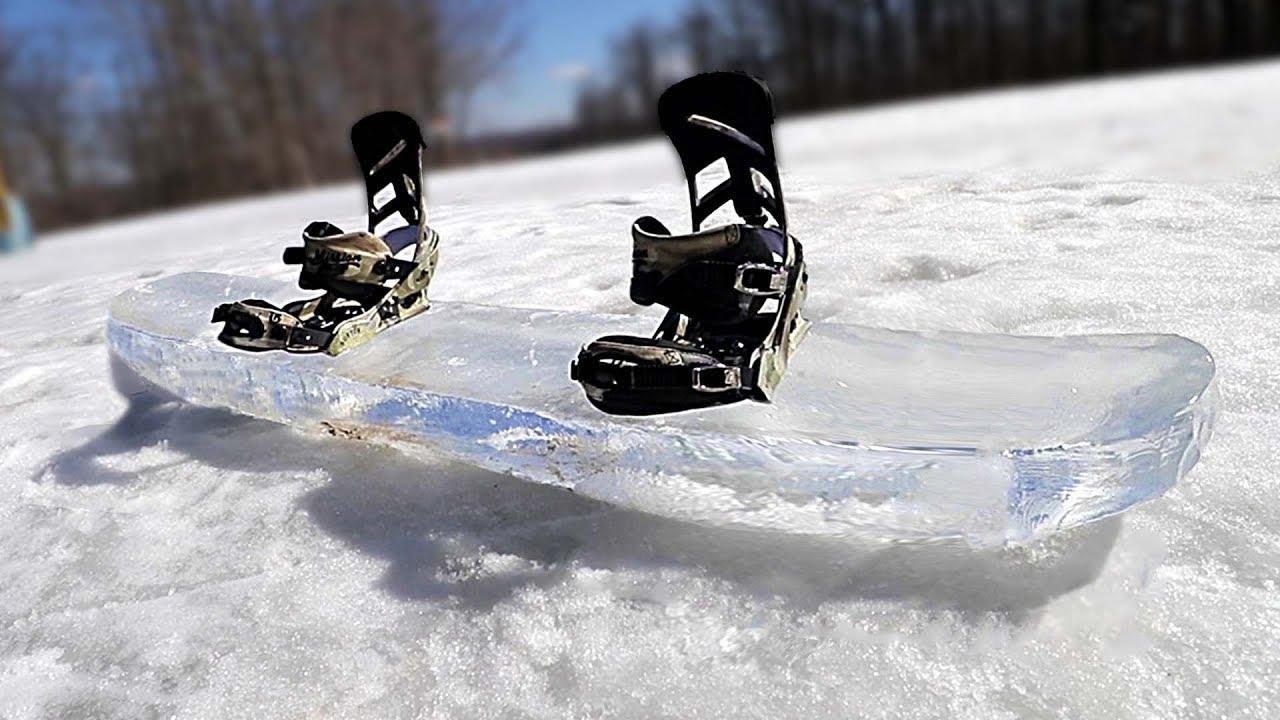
205 99
208 99
819 54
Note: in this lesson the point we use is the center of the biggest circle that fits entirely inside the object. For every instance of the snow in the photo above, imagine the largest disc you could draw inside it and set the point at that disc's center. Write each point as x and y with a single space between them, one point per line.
176 561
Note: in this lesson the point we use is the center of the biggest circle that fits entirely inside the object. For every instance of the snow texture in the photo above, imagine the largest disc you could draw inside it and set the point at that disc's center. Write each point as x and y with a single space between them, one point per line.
161 560
876 434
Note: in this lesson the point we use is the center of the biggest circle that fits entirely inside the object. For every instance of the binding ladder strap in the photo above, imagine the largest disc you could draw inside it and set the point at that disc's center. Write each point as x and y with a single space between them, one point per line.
367 288
733 292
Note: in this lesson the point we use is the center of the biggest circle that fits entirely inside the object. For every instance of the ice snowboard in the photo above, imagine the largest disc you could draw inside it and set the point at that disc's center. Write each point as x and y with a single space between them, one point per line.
874 433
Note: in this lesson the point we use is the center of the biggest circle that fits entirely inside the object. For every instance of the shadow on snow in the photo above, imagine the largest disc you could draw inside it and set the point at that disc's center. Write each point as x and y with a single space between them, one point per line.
433 522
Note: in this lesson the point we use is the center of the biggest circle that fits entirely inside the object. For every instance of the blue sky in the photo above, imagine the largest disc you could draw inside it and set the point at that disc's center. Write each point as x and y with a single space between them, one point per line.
563 40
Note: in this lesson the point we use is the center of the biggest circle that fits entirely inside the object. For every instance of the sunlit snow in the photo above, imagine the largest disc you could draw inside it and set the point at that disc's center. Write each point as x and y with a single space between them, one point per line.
176 561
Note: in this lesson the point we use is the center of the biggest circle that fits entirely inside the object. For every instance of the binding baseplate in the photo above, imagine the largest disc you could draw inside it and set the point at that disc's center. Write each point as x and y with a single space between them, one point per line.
367 288
734 292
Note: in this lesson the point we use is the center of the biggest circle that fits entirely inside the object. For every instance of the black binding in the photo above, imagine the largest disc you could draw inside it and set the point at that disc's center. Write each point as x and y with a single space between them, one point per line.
388 147
733 292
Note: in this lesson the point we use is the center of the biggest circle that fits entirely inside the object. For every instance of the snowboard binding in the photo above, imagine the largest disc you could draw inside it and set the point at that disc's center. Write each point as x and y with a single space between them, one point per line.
733 292
367 288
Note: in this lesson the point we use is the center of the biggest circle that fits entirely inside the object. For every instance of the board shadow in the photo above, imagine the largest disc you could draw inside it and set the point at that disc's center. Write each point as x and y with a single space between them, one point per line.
439 526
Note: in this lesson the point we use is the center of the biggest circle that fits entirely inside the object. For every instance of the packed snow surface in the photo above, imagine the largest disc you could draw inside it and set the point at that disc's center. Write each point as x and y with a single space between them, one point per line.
161 560
882 435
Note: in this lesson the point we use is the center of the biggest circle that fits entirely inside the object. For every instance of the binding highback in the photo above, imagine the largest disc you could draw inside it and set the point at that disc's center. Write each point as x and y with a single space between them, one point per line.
389 147
729 116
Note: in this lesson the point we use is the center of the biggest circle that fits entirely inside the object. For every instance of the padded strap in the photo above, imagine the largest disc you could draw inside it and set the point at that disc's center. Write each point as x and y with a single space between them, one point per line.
699 378
753 279
644 376
258 326
720 276
335 262
350 265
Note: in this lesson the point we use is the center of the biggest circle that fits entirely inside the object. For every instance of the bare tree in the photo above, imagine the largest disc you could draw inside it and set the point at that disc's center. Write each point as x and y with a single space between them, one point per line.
819 53
637 68
222 97
699 36
41 83
8 62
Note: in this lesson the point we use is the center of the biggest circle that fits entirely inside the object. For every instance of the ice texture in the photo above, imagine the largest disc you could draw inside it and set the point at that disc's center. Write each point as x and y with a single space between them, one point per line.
898 436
